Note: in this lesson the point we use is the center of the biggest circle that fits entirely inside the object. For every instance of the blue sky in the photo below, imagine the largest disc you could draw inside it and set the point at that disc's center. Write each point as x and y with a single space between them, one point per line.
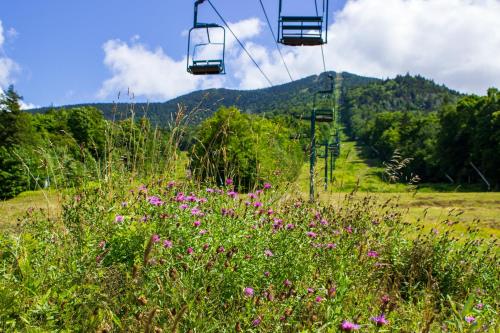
62 52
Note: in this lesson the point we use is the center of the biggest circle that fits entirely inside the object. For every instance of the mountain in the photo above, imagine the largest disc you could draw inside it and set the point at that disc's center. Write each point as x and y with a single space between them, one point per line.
280 99
359 94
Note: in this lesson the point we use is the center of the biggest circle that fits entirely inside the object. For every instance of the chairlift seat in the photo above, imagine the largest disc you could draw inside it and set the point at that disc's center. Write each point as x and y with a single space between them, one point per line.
302 19
301 30
206 67
302 40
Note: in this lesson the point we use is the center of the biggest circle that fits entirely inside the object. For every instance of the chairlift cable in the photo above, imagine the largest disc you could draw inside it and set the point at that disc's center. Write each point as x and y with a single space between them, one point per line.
323 56
316 5
241 44
275 40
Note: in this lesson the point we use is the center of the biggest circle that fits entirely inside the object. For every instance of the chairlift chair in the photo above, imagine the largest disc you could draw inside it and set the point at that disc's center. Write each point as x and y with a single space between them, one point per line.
197 62
304 30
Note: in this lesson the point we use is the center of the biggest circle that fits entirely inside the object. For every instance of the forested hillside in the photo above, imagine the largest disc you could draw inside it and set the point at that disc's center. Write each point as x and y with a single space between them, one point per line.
287 98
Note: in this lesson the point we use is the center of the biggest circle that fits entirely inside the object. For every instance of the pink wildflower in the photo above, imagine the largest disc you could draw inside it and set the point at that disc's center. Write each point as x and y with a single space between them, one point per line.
319 299
347 326
331 246
348 229
268 253
287 283
380 320
372 254
210 190
267 186
311 234
119 218
290 226
229 181
190 250
167 244
256 321
202 232
183 206
196 223
470 319
266 274
155 238
252 195
257 204
171 184
310 290
248 292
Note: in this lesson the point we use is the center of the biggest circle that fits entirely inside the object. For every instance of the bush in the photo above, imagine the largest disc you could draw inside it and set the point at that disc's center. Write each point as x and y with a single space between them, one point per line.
247 148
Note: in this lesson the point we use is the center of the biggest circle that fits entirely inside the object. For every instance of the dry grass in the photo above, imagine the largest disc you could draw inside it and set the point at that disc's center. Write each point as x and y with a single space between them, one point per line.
12 211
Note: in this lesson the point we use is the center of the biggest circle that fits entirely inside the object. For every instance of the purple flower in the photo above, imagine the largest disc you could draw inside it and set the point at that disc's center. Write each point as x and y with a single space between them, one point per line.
270 211
167 244
155 238
190 250
348 229
385 299
324 222
479 306
331 246
372 254
119 218
232 194
310 290
155 201
319 299
268 253
102 244
287 283
347 326
171 184
248 291
124 204
180 197
196 212
470 319
290 226
257 204
259 192
256 321
267 186
221 249
210 190
196 223
202 232
183 206
311 234
252 195
380 320
229 181
266 274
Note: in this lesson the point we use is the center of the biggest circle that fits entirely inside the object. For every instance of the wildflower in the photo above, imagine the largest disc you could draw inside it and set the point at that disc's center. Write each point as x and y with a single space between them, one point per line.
385 299
257 204
205 246
144 218
191 198
102 244
266 274
267 186
180 197
124 204
196 223
297 204
324 222
190 250
247 203
248 291
311 234
221 249
229 181
435 231
202 200
183 206
155 238
319 299
331 246
167 244
259 192
155 201
210 190
290 226
196 212
347 326
202 232
380 320
470 319
232 194
252 195
287 283
171 184
119 218
348 229
312 225
143 188
268 253
256 321
310 290
270 211
372 254
332 291
479 306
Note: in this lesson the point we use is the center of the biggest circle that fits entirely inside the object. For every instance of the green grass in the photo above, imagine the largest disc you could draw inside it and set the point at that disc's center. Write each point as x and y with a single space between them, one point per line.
430 204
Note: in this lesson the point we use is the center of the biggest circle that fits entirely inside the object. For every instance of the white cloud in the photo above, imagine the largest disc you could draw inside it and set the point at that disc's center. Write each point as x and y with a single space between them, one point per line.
154 74
7 66
455 42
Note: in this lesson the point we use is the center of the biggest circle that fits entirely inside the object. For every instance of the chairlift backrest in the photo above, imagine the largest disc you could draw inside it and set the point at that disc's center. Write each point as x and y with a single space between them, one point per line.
304 30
